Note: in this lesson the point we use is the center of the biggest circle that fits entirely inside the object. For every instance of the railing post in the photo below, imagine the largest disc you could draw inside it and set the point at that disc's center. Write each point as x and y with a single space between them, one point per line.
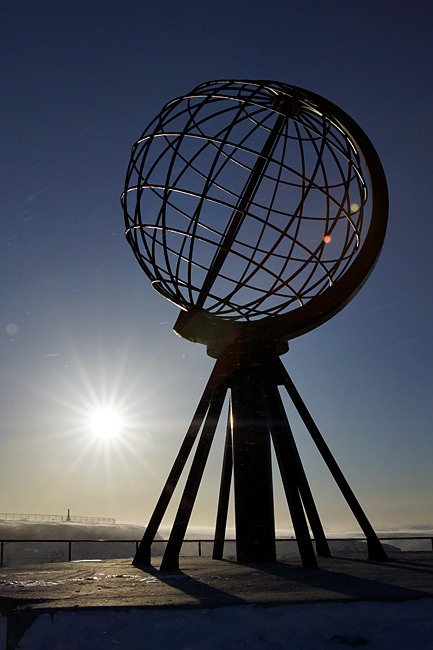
69 551
1 552
199 547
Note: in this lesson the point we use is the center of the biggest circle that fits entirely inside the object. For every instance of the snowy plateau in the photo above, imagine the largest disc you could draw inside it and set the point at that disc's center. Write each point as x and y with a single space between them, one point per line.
372 625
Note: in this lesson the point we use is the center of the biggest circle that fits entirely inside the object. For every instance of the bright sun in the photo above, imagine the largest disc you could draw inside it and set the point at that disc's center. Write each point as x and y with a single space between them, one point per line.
106 423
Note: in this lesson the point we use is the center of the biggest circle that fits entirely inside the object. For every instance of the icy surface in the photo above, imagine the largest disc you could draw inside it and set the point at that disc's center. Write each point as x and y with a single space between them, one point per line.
327 626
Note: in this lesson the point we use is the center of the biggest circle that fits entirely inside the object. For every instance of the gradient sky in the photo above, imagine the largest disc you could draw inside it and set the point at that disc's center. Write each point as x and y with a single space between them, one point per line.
80 325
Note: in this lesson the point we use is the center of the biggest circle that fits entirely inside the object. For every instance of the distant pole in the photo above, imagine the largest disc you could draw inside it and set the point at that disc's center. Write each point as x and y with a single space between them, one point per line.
68 518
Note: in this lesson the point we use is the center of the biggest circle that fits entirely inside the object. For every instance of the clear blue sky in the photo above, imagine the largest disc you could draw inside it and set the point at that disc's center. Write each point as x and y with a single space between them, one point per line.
80 325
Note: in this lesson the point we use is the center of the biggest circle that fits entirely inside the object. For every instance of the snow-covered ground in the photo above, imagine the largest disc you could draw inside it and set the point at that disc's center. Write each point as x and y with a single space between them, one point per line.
374 625
83 535
67 530
10 529
327 626
85 545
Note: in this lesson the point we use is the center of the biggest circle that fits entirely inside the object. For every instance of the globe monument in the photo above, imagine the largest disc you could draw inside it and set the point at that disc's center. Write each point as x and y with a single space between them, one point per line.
259 209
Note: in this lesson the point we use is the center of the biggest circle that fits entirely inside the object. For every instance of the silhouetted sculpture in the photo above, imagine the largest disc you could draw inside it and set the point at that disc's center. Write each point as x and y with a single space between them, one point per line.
260 210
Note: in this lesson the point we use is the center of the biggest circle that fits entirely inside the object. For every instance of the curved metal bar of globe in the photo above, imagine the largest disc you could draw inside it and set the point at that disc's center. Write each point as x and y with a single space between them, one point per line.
170 561
290 464
143 554
224 495
375 548
241 211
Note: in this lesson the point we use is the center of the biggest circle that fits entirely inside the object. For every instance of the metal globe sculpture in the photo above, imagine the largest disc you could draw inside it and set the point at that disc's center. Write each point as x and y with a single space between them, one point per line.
255 200
259 209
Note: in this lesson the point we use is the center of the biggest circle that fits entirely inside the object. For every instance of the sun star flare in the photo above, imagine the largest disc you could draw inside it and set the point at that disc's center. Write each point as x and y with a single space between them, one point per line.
106 423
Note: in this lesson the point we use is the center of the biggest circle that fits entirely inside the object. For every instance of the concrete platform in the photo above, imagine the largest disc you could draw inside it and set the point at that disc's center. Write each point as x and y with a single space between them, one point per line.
26 592
206 583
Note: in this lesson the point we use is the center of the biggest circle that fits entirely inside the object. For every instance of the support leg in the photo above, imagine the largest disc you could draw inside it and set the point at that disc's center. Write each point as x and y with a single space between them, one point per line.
143 555
288 472
254 504
170 560
224 496
375 548
290 461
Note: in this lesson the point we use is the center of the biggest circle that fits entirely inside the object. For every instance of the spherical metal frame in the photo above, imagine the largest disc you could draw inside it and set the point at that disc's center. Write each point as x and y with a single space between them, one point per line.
198 324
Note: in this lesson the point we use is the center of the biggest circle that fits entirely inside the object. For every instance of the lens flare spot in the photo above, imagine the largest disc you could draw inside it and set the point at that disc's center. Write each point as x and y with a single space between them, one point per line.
11 328
354 207
327 239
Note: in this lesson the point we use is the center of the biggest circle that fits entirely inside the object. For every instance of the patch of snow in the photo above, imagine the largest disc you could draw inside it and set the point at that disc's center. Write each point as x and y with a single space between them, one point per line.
323 626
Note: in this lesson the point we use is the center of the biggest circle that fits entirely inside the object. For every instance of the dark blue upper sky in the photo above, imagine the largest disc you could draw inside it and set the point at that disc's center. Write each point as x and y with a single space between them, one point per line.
80 324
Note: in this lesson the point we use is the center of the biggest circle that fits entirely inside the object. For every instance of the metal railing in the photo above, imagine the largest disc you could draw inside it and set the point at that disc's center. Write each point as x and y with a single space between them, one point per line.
11 516
19 552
